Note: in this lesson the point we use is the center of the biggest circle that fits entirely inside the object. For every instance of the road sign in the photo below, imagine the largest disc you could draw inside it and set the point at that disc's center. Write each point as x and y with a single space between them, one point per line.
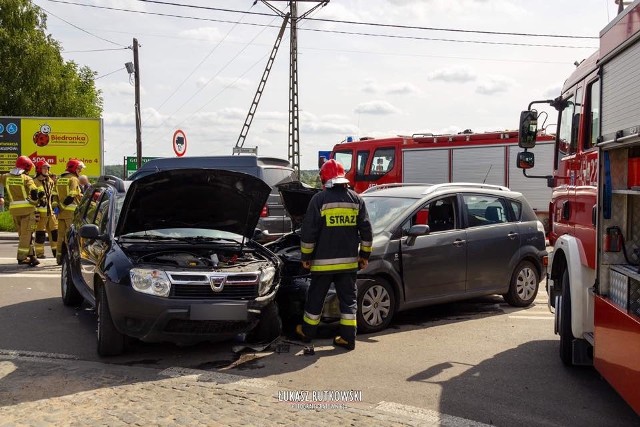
131 164
179 143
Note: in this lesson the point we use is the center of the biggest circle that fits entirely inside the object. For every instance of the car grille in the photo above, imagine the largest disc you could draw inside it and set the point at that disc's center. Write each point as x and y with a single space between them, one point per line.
205 326
236 286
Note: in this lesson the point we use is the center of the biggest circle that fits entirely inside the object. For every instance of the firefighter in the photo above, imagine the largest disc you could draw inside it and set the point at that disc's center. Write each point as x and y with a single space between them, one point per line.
22 195
335 225
68 197
47 222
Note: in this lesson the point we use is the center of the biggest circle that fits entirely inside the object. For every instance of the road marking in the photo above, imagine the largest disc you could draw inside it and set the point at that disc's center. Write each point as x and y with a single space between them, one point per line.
428 415
35 354
217 377
31 275
545 317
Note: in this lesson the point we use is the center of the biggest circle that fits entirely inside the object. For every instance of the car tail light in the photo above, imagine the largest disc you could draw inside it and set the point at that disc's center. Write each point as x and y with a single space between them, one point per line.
265 211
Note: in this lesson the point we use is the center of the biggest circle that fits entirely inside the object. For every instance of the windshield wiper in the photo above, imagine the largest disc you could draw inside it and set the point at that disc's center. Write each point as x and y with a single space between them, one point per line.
196 239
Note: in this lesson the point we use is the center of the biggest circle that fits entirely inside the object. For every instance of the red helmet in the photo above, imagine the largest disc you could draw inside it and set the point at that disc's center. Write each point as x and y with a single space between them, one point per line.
332 172
41 164
24 163
75 166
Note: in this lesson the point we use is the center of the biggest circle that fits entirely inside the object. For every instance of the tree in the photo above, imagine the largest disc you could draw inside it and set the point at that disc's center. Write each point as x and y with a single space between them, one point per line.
34 78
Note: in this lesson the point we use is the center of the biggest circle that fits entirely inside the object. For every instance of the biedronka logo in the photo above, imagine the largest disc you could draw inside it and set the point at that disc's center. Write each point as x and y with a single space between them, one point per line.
45 136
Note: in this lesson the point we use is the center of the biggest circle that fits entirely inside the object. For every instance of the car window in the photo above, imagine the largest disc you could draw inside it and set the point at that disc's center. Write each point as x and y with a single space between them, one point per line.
442 214
102 213
344 157
382 161
275 176
517 209
361 164
92 204
484 209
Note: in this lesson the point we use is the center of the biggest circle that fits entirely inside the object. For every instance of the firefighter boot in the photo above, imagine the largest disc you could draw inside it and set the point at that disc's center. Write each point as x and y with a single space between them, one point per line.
300 334
34 261
341 342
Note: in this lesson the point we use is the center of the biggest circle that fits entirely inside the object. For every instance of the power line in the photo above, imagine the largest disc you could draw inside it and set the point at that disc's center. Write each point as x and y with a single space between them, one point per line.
82 29
332 31
93 50
338 21
108 74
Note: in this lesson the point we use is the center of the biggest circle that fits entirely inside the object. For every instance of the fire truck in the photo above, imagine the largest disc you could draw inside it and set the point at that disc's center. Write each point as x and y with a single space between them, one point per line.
593 277
488 157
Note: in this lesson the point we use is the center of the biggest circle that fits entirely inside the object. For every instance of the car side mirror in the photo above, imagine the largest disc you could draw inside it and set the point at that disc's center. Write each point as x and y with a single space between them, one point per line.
415 231
528 129
525 160
90 231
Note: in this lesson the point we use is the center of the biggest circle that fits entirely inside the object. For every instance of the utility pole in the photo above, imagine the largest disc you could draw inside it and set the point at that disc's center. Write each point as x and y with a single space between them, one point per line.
136 77
294 117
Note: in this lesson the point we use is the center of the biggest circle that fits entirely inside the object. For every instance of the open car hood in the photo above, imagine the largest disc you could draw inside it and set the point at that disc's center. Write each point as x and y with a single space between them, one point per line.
194 198
295 198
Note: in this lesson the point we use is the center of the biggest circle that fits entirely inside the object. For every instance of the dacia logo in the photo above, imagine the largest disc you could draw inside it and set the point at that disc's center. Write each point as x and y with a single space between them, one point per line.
341 220
217 283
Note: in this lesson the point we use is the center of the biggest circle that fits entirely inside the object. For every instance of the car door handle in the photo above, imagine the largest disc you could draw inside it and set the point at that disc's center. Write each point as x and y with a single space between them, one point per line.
459 242
512 235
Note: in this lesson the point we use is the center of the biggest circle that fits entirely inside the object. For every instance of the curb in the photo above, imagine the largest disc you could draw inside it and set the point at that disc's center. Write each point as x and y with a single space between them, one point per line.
8 235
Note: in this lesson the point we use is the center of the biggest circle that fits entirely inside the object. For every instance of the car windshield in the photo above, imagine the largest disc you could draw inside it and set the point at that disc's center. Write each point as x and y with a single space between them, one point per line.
384 210
185 234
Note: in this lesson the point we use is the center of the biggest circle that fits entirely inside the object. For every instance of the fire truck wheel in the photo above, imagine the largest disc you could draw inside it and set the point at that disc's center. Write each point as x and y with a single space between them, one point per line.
376 305
524 285
563 312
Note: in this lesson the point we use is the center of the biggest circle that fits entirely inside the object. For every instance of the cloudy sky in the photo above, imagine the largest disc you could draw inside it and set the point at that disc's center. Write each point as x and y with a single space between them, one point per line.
422 66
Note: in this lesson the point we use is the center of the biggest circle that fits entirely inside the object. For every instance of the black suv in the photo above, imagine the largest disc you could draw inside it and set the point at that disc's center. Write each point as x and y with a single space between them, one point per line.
169 257
432 244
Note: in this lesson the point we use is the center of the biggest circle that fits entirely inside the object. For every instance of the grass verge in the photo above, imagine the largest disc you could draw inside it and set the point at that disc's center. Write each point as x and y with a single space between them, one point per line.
6 222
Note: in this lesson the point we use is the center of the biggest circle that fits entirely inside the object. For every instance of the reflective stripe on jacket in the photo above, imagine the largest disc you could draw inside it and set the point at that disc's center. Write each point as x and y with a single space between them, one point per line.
68 185
335 231
19 186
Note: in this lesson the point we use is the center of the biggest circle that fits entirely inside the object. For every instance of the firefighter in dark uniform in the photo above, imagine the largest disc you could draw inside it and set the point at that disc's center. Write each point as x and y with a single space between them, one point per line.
68 197
47 222
335 243
22 195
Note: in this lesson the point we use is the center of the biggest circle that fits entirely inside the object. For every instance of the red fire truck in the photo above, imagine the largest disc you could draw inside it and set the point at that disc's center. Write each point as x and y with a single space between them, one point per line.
465 157
593 279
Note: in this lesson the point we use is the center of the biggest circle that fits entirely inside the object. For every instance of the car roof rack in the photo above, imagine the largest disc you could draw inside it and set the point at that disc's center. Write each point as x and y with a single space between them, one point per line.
468 184
118 183
395 185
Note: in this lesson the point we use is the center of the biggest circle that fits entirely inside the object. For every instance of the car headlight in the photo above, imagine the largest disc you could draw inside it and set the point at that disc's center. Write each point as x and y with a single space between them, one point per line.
266 279
153 282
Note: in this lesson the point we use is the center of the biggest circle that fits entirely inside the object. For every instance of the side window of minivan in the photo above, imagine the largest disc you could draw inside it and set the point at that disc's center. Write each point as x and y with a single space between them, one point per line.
485 209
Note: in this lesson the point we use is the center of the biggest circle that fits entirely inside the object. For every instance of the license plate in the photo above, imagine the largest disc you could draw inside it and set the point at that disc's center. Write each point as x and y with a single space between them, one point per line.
219 311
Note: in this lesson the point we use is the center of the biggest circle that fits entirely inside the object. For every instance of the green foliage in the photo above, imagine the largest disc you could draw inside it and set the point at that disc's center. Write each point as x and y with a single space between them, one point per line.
6 222
34 78
114 170
311 177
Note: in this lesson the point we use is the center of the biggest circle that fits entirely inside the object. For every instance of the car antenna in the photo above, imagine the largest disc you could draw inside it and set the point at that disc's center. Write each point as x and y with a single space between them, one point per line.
485 177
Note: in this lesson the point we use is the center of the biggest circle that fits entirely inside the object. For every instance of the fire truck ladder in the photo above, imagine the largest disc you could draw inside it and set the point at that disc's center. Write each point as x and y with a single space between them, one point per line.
256 99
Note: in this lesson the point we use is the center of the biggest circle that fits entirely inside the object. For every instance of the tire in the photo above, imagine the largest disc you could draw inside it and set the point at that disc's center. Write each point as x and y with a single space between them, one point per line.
70 294
376 305
563 312
524 285
110 341
269 326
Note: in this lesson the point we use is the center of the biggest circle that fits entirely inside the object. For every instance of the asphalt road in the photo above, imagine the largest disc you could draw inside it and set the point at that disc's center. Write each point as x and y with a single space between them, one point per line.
481 361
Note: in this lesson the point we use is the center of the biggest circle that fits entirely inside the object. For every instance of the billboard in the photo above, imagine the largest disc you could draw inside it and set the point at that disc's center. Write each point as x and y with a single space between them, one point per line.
56 140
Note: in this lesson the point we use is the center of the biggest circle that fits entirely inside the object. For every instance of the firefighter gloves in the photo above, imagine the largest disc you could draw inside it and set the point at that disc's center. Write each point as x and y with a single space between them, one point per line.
34 194
67 200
